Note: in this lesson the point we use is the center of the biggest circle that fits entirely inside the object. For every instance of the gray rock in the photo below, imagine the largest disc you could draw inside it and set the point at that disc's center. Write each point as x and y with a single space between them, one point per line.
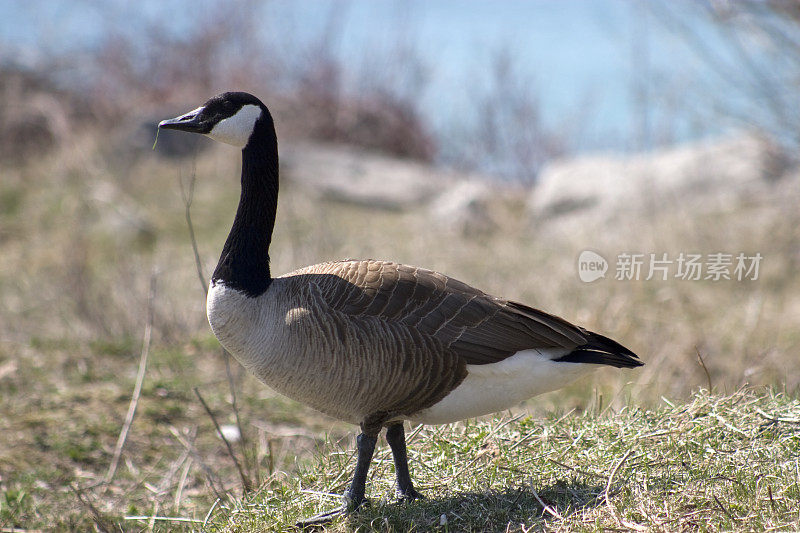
704 175
465 207
356 176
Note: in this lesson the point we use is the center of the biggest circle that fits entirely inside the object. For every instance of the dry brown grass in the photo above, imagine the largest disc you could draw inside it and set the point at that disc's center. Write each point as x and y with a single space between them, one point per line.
79 242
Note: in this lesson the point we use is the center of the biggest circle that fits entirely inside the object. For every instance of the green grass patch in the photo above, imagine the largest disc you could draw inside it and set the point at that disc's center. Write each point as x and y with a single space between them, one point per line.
713 463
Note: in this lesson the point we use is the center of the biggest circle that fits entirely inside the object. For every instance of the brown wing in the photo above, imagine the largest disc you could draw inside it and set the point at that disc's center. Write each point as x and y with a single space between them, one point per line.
478 327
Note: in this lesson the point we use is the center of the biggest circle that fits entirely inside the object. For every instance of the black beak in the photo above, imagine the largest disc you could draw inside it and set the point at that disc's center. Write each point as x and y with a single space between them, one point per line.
189 122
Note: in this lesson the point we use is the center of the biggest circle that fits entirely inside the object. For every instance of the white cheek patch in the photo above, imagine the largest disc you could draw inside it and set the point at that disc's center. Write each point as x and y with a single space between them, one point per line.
236 130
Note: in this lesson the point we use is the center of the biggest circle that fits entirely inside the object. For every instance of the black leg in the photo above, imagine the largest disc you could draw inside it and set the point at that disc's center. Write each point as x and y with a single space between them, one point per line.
396 437
354 496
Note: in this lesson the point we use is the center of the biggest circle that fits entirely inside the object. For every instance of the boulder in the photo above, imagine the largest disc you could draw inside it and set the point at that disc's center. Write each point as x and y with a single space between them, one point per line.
465 207
706 175
353 175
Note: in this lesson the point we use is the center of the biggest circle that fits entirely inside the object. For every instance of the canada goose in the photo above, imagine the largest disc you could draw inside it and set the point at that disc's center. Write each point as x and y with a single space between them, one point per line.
374 343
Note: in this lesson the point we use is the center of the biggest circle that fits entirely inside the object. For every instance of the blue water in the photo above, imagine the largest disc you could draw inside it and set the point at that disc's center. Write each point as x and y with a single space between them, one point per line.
582 60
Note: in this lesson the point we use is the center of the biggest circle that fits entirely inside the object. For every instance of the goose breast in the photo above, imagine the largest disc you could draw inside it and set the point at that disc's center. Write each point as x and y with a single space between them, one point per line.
348 367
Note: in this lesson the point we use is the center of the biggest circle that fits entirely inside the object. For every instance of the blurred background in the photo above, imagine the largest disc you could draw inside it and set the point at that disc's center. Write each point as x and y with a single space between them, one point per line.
492 142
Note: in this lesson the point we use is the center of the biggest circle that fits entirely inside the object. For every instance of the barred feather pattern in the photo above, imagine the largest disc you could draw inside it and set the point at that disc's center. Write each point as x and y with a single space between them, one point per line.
372 341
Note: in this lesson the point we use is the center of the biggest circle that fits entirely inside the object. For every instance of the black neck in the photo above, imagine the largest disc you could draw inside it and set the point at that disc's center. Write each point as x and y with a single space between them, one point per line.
244 263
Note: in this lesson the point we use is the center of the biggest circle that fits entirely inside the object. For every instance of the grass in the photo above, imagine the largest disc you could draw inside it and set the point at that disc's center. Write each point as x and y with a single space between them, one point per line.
714 463
85 224
61 413
80 240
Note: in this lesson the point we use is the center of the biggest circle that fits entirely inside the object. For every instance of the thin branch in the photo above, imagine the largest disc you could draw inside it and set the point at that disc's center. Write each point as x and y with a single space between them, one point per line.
621 521
246 485
771 499
724 509
166 480
182 483
545 507
614 473
705 369
218 492
187 193
137 388
242 433
210 512
188 197
100 521
151 524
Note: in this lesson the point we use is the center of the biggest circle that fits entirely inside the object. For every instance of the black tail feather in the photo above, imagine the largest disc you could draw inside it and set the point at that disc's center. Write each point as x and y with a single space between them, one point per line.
601 350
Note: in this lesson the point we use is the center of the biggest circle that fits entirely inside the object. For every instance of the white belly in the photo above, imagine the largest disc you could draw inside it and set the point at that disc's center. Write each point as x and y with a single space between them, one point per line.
498 386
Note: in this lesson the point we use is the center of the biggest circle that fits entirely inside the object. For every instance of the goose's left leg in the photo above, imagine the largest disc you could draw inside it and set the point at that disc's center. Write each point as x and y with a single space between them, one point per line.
396 437
353 496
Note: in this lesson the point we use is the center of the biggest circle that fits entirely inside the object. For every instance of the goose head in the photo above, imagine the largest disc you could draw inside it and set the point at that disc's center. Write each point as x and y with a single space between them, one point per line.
230 117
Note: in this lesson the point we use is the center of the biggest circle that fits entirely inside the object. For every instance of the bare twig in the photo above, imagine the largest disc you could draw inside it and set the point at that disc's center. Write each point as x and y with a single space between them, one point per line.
270 457
137 388
187 193
210 512
332 495
243 443
246 485
724 509
501 425
151 524
546 507
182 483
705 369
188 196
411 436
166 481
621 521
100 521
613 474
771 499
218 492
530 434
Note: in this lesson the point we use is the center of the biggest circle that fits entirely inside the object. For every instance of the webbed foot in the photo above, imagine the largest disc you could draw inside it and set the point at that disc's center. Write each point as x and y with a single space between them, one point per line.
350 505
409 495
